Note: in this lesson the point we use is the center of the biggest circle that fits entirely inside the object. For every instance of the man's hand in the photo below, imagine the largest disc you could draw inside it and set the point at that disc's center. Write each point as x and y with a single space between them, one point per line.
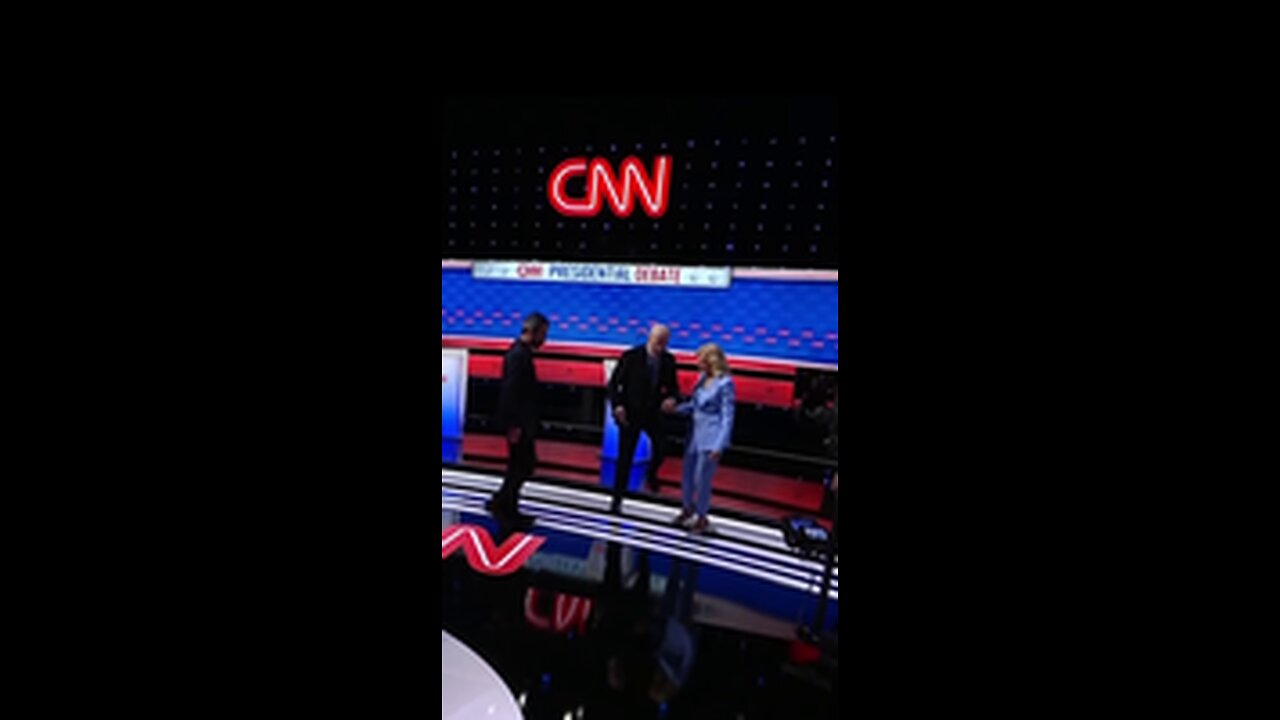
620 414
669 406
513 435
835 483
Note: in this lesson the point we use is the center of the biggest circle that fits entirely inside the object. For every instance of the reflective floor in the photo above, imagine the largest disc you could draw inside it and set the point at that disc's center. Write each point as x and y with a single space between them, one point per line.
589 615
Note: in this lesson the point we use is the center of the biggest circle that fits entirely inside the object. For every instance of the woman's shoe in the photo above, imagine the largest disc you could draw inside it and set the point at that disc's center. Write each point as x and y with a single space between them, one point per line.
701 526
682 520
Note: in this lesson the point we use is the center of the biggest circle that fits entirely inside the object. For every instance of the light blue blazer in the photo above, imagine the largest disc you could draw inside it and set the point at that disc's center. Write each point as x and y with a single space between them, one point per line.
712 409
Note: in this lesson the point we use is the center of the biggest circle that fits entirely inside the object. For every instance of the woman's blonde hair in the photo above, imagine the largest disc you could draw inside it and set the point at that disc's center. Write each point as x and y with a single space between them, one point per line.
715 358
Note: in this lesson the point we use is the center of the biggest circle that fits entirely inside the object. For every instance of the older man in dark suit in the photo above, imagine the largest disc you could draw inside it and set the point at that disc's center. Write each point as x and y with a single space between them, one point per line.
643 382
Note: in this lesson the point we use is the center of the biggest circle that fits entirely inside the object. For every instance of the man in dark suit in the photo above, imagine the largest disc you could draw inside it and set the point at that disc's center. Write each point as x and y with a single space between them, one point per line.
518 411
642 383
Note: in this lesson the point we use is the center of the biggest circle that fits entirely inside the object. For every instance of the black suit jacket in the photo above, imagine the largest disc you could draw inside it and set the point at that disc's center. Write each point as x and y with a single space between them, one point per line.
519 400
630 386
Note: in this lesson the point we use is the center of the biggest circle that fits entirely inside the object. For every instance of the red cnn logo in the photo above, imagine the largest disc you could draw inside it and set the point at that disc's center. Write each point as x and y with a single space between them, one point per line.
570 612
483 555
654 190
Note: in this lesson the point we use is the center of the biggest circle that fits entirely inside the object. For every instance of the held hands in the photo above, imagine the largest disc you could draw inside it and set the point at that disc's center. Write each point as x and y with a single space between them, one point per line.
669 406
714 455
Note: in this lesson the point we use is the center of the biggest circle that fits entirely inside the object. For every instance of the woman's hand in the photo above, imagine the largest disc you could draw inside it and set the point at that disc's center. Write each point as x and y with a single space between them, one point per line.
715 455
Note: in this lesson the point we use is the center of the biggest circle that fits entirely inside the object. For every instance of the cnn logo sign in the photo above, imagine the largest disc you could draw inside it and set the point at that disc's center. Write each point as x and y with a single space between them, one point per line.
621 190
483 555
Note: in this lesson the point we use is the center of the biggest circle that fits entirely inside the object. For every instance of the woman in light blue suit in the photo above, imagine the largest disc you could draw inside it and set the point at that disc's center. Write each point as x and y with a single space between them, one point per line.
711 406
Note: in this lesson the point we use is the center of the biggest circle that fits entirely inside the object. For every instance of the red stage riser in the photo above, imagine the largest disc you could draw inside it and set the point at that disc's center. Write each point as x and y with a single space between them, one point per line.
590 373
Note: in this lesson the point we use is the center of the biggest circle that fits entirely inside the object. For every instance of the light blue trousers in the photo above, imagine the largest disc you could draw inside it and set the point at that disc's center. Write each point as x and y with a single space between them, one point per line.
698 471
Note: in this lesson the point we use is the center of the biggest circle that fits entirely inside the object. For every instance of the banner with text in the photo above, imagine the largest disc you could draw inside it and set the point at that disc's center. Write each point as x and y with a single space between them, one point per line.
605 274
